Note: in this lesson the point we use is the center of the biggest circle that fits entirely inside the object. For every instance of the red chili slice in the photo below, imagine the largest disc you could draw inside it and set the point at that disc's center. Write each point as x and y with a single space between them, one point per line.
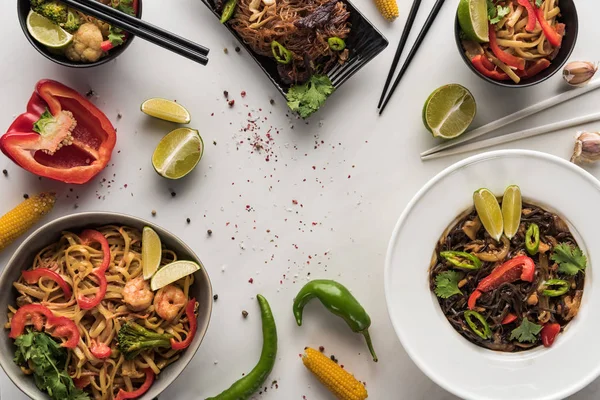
88 236
34 275
191 316
549 334
122 395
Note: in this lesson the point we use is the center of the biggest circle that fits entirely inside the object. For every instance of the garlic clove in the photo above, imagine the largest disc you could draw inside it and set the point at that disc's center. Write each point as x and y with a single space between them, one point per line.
587 148
578 73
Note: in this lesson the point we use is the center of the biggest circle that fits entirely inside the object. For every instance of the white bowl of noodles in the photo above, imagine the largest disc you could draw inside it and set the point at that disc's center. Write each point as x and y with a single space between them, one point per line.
24 257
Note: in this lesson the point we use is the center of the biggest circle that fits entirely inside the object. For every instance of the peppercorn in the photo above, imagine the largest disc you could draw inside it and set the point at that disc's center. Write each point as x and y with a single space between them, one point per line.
209 232
153 213
272 101
25 196
216 297
5 172
225 93
245 314
173 194
237 49
231 103
321 349
188 220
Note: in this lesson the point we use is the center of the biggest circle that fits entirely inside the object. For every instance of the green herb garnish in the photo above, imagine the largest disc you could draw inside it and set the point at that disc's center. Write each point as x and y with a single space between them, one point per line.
496 12
305 99
526 332
446 284
570 259
539 2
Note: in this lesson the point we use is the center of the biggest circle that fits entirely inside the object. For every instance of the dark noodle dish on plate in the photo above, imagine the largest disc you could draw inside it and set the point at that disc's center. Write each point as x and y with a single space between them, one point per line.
508 275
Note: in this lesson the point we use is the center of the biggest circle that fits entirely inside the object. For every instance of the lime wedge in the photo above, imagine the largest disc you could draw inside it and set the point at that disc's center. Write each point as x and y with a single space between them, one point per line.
151 252
449 111
178 153
473 19
166 110
489 212
511 210
47 32
172 272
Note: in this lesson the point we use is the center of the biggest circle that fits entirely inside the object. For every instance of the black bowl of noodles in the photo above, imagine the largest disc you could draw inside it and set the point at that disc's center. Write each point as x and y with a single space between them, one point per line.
38 244
540 61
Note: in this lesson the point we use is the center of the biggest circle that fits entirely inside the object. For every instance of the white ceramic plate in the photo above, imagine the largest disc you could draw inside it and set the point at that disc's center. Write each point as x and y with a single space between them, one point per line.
454 363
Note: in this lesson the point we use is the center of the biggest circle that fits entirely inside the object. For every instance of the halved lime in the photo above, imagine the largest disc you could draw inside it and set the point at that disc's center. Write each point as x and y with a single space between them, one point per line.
172 272
473 19
449 111
178 153
511 210
151 252
47 32
489 212
166 110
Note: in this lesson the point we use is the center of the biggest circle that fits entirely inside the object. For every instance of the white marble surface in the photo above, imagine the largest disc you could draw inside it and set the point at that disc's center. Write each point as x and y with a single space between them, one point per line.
350 171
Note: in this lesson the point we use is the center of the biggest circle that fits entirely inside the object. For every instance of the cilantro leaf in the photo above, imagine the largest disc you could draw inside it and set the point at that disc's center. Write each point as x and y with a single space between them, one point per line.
125 6
496 12
526 332
570 259
539 2
305 99
446 284
116 36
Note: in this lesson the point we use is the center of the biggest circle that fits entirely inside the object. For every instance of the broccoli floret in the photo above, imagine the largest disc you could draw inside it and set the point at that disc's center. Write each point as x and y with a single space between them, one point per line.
53 10
73 22
133 339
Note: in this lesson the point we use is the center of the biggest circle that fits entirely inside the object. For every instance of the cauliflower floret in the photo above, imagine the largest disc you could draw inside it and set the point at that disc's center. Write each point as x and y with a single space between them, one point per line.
85 46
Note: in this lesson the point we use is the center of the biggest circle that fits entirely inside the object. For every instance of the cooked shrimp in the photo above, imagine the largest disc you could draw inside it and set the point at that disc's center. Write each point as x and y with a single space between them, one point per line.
169 301
137 294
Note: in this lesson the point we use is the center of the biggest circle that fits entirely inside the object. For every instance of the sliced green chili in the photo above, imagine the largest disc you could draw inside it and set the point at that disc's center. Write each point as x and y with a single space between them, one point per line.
336 44
484 332
281 54
532 239
556 287
228 10
462 260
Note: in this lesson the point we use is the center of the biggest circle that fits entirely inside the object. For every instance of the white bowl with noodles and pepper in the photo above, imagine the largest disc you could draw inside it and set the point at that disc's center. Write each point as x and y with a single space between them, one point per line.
125 344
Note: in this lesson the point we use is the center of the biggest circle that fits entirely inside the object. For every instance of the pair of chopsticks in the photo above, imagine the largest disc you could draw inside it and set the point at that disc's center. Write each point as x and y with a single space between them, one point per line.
409 23
454 147
145 30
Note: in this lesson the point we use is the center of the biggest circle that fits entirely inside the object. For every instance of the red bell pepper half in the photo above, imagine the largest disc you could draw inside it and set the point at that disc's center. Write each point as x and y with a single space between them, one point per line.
60 327
87 237
506 58
191 316
33 275
61 136
549 334
122 395
531 16
553 36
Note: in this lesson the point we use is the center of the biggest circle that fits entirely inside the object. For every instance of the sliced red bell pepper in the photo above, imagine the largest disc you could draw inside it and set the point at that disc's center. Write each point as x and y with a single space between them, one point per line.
64 328
549 334
531 18
191 316
122 395
481 64
554 38
87 237
537 67
33 275
82 382
35 312
510 317
61 136
100 350
506 58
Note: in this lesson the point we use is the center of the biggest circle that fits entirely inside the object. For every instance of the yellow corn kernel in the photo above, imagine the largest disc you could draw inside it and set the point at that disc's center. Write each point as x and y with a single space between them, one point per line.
339 381
388 8
21 218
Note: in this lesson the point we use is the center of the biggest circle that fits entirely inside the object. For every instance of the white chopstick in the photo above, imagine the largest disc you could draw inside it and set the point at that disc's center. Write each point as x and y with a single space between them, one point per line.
539 130
499 123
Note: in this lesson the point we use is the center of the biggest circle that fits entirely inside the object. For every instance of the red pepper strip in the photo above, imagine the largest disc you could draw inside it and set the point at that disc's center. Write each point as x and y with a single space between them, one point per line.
87 303
32 276
33 311
79 159
506 58
82 382
63 327
535 69
88 236
100 350
122 395
554 38
549 333
531 18
510 317
191 316
106 46
473 299
480 65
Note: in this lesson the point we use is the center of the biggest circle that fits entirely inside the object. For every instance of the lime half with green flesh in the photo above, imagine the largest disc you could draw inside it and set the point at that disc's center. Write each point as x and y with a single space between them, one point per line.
511 210
449 111
473 19
167 110
151 252
172 272
178 153
47 32
489 212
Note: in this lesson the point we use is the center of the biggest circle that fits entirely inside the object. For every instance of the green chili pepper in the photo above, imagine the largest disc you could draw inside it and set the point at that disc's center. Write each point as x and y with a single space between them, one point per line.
555 287
532 239
281 54
228 10
245 387
462 260
485 331
336 43
337 299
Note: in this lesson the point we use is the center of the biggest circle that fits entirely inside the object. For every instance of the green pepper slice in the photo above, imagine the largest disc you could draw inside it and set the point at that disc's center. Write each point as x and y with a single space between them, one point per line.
484 332
281 54
555 287
336 44
228 10
532 239
462 260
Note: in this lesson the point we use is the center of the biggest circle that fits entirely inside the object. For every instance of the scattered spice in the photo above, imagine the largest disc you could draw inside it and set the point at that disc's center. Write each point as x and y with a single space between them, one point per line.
5 172
215 142
226 94
209 232
216 297
225 50
188 220
250 280
245 314
335 360
321 349
173 194
25 196
237 49
119 115
90 93
231 103
272 101
243 94
153 213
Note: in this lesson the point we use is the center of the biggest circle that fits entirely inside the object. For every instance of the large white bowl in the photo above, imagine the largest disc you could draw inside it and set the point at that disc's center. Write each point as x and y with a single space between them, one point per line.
454 363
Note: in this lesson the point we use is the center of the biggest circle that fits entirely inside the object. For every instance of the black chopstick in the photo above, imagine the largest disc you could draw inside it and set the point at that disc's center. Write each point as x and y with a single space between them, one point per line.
142 29
432 15
409 23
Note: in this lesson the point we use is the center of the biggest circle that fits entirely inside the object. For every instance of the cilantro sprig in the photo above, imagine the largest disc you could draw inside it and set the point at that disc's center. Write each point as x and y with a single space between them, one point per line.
307 98
570 259
446 284
526 332
496 12
539 2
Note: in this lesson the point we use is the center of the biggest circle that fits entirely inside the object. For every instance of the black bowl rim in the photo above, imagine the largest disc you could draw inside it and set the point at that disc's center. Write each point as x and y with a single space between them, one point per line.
574 28
65 62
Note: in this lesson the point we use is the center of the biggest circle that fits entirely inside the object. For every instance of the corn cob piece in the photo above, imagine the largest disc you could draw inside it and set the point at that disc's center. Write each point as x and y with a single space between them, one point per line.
339 381
388 8
21 218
